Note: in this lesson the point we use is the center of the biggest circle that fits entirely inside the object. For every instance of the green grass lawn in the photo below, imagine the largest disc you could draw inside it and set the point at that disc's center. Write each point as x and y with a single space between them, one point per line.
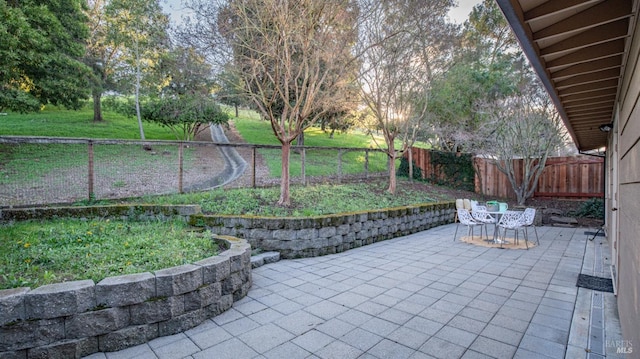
318 162
57 122
36 253
312 200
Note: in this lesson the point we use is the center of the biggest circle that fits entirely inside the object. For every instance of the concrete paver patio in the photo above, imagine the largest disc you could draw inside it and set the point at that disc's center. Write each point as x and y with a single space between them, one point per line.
418 296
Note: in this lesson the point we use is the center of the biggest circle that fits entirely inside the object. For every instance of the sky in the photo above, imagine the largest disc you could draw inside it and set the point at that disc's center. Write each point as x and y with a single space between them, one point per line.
458 14
461 13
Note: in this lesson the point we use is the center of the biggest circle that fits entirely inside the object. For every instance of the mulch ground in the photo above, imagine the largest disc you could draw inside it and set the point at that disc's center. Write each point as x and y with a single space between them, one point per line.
547 207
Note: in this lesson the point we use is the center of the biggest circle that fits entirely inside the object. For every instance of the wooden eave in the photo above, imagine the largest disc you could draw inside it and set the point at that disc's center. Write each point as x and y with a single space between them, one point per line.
578 48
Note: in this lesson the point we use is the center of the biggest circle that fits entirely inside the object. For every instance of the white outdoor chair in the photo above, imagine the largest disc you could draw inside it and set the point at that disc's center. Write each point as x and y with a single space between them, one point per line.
512 220
529 217
466 219
459 205
479 213
467 204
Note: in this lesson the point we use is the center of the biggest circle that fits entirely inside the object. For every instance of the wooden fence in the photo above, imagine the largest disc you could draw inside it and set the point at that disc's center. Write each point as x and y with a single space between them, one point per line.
563 177
442 167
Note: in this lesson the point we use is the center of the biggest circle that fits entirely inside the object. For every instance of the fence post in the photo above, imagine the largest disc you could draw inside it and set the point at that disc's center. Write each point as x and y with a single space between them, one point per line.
366 163
303 167
253 167
180 166
410 160
91 176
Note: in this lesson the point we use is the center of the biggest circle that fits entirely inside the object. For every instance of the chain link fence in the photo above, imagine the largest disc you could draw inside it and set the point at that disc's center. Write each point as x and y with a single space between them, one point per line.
40 171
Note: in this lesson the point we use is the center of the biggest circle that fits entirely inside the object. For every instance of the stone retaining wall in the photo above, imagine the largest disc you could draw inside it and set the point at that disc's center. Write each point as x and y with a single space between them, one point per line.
74 319
315 236
140 211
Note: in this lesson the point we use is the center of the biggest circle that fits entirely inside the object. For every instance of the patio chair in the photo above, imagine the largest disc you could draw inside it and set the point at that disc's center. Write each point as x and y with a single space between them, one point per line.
467 204
459 205
512 220
529 217
479 213
466 219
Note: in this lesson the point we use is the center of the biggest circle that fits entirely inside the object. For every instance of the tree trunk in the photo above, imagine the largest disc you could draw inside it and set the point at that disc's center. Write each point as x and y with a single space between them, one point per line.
410 159
300 139
236 106
97 107
392 171
138 94
285 195
478 175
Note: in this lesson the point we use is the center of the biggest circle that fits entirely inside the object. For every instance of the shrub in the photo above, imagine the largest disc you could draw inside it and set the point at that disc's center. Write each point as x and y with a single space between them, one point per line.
185 115
403 170
592 208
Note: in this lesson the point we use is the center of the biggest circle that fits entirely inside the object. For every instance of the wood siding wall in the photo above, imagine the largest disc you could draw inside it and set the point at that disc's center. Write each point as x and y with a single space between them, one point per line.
628 200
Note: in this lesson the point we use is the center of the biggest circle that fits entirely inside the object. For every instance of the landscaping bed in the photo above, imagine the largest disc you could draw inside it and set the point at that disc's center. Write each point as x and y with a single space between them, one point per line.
37 253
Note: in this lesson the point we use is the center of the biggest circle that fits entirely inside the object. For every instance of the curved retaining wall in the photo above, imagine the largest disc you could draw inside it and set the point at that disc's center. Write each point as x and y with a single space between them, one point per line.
74 319
315 236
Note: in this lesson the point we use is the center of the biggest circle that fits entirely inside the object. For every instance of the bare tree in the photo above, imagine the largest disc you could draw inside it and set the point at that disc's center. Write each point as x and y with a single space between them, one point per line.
527 127
400 46
292 56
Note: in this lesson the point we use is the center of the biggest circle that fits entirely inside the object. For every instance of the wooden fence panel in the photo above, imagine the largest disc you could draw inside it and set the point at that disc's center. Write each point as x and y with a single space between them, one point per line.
573 177
433 166
563 177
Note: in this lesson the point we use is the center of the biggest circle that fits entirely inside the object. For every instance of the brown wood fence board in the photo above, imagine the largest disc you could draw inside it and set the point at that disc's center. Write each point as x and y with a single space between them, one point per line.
572 177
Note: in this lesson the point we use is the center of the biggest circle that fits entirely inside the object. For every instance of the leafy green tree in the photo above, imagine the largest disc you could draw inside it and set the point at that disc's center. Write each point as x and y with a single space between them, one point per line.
41 44
186 115
231 91
103 53
139 27
454 99
486 67
487 36
184 71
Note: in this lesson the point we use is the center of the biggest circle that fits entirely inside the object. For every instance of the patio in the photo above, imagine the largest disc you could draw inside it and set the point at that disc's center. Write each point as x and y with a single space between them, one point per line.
418 296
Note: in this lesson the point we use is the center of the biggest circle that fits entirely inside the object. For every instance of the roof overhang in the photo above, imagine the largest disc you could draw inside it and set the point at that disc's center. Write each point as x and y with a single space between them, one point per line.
578 48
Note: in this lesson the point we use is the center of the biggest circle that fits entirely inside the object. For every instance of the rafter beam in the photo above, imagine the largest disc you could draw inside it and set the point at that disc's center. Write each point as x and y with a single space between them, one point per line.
600 85
590 53
553 7
589 95
589 78
602 13
590 102
587 67
590 109
590 37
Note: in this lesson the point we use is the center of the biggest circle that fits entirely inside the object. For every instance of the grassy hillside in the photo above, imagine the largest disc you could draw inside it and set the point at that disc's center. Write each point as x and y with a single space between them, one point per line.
255 130
35 162
57 122
318 162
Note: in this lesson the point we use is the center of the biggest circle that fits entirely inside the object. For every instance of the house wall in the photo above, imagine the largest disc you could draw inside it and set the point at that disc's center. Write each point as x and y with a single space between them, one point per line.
629 196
